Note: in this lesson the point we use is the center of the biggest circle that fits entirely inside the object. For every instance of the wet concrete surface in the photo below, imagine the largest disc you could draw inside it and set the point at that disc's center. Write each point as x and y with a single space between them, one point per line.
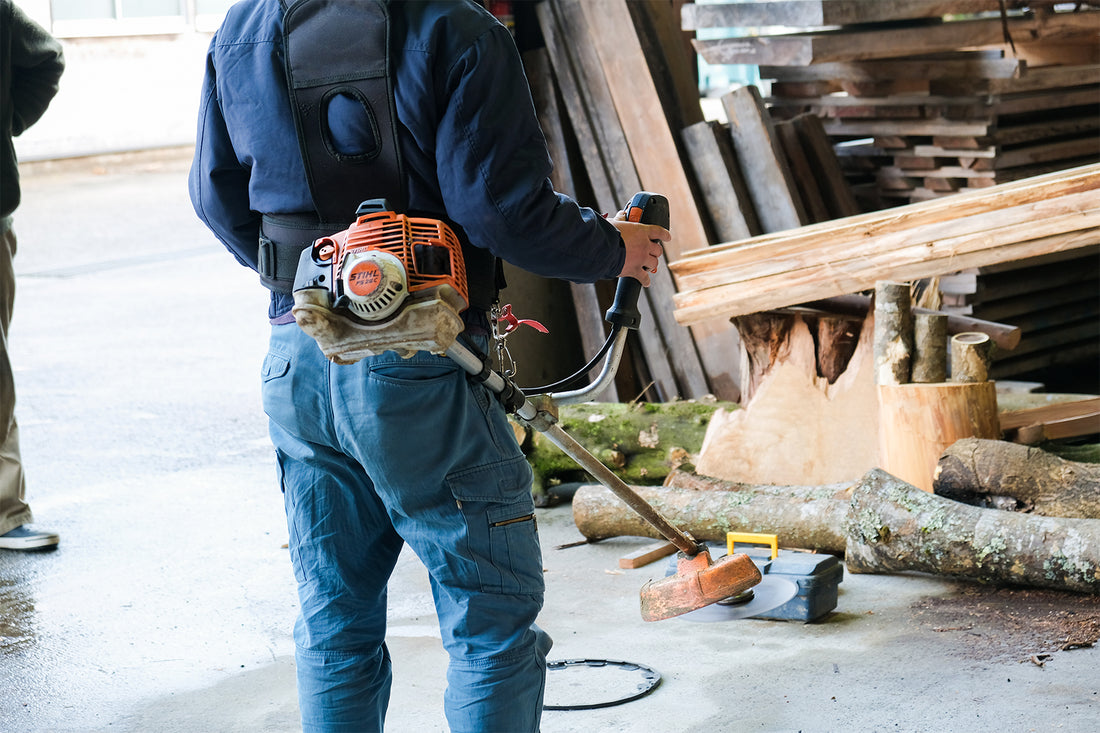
137 342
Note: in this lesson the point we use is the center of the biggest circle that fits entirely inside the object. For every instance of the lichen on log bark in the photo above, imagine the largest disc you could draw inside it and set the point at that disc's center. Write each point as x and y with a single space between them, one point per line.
895 527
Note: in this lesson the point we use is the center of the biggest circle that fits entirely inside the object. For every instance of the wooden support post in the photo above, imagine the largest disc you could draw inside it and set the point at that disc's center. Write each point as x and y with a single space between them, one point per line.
970 357
893 333
929 348
917 422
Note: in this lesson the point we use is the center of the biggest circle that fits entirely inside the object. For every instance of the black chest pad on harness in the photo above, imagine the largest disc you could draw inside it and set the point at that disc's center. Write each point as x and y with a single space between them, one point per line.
338 69
340 79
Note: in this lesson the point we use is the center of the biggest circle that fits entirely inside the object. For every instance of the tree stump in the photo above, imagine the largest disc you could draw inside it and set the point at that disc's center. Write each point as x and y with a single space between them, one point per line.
811 414
919 421
970 357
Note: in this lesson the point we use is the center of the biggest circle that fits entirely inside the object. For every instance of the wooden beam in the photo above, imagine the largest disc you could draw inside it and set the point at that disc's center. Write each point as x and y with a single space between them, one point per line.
815 13
1051 213
978 66
658 162
802 49
645 555
721 184
767 174
831 182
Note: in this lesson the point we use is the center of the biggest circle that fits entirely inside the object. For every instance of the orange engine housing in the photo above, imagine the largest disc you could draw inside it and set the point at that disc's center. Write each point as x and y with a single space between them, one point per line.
428 249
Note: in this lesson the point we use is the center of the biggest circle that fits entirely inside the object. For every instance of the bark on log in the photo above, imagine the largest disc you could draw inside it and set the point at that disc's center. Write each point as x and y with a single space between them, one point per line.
895 527
640 442
970 357
929 348
893 333
807 517
1003 475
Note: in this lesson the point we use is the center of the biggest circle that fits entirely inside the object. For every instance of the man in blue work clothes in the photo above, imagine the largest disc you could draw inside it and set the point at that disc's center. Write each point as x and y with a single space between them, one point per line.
389 450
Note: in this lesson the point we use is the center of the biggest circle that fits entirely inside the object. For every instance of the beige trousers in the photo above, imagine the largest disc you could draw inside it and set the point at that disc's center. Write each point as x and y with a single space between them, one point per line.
13 509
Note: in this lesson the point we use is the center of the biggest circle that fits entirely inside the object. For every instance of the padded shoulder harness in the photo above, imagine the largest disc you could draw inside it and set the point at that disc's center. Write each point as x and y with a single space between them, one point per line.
317 38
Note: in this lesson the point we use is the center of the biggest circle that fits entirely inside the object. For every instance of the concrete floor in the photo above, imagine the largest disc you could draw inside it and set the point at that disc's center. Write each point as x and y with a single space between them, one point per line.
137 343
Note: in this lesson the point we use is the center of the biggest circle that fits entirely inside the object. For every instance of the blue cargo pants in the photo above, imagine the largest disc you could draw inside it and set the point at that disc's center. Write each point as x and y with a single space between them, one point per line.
388 451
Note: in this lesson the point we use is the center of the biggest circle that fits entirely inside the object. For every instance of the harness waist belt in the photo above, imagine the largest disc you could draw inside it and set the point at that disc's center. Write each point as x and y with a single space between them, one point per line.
283 237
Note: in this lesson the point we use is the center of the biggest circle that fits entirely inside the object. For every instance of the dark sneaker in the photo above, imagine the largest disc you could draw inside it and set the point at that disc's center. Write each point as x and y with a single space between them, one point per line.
25 538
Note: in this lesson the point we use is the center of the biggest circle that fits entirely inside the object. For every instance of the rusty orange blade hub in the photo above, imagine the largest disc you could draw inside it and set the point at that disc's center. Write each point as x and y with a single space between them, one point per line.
698 582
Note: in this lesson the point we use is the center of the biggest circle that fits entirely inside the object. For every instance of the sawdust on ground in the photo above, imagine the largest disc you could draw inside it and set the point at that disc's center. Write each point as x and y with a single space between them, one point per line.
1022 624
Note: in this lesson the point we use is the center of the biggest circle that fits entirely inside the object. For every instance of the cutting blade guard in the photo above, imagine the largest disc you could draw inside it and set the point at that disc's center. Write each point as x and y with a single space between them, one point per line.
698 582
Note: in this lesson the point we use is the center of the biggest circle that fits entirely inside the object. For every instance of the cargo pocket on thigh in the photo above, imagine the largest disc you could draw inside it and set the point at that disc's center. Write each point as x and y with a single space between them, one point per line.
501 529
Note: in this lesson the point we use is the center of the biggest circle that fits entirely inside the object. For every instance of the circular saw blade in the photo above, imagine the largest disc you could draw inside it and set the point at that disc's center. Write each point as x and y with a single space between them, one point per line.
770 593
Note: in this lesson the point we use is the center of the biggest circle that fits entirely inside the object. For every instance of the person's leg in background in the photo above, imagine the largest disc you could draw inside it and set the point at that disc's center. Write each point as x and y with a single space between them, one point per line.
15 514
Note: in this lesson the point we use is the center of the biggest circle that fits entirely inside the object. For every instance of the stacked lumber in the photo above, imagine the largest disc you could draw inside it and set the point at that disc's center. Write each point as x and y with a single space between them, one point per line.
919 103
1045 214
625 99
1054 300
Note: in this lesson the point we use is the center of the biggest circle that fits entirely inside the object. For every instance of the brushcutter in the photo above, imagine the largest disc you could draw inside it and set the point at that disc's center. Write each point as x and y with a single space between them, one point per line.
390 282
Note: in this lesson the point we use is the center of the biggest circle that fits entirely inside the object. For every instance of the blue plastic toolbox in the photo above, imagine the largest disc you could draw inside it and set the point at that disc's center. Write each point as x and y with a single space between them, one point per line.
817 577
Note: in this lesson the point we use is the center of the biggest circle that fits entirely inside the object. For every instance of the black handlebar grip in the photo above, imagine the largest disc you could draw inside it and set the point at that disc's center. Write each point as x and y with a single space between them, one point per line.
645 208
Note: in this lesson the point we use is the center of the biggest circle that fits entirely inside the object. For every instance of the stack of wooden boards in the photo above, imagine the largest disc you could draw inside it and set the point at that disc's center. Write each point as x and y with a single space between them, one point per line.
921 103
1056 212
617 96
616 87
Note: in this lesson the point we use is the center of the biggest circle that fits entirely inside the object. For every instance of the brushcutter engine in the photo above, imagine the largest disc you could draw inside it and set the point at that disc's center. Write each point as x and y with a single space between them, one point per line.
389 282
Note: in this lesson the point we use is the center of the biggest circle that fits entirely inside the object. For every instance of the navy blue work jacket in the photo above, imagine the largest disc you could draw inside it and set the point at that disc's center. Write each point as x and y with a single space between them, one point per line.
471 143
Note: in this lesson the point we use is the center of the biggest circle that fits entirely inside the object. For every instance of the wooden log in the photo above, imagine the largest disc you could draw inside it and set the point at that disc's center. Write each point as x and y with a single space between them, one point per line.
970 357
929 348
806 517
640 442
1003 475
893 333
895 527
917 422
